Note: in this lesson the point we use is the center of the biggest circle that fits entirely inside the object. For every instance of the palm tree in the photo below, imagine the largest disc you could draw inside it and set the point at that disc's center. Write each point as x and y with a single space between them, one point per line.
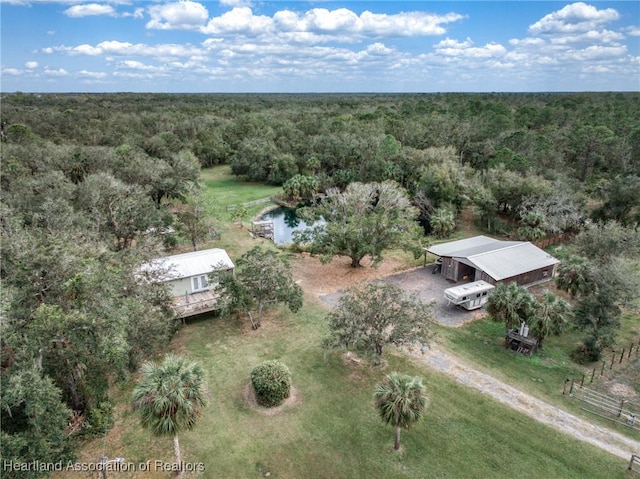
551 316
170 397
575 276
533 227
443 221
400 400
510 304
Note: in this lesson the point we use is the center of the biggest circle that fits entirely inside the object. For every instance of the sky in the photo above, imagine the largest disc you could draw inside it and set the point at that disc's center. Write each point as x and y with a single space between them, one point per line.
242 46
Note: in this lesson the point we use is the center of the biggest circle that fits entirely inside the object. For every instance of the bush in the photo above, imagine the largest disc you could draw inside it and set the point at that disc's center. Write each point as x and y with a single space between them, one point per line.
100 419
588 351
271 381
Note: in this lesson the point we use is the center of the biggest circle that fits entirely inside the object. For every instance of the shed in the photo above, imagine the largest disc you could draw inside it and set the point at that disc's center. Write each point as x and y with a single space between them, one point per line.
494 261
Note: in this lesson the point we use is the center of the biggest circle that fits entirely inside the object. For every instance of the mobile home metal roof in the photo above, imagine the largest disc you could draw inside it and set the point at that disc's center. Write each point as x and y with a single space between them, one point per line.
186 265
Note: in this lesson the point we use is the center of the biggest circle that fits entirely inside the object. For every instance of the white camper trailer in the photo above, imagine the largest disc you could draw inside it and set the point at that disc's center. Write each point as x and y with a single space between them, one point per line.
470 295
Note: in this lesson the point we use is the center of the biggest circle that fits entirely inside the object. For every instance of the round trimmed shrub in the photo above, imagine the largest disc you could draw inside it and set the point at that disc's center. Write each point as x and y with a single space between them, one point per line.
271 381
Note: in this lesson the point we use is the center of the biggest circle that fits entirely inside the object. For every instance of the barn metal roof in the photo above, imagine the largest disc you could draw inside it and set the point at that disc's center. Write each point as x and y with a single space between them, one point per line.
512 260
186 265
455 248
499 259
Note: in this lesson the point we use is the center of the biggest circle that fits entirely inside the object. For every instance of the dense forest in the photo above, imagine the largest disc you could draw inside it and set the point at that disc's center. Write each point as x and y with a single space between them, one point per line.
91 184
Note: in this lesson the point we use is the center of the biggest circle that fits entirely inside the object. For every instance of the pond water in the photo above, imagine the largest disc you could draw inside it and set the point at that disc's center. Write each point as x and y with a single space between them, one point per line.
285 222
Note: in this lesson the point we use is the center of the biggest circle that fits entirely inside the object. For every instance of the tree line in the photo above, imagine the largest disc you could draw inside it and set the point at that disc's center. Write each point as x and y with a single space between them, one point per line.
501 151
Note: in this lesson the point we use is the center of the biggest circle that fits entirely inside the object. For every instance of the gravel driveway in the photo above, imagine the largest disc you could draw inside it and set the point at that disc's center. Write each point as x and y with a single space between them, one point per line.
427 287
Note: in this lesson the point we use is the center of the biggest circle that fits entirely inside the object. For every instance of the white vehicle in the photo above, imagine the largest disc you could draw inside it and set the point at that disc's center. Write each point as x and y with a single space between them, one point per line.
469 295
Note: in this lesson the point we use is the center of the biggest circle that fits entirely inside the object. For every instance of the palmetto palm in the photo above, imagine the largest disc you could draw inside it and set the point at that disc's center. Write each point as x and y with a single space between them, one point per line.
443 221
170 398
400 400
551 316
575 276
510 304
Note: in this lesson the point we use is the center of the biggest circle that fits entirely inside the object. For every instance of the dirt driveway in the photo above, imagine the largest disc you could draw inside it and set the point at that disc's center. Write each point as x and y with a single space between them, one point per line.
427 287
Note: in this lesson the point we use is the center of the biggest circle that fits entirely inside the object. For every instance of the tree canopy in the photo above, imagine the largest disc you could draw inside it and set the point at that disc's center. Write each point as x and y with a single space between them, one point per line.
261 279
363 220
369 317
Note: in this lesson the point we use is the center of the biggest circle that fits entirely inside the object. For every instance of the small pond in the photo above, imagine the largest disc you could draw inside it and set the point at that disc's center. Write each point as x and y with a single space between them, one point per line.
285 222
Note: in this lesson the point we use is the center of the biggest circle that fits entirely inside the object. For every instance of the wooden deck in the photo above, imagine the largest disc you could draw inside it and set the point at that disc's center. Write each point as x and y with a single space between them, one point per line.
522 344
196 303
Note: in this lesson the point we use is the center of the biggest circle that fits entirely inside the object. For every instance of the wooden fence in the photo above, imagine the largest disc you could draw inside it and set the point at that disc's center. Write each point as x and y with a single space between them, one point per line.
634 464
251 203
616 359
543 243
621 411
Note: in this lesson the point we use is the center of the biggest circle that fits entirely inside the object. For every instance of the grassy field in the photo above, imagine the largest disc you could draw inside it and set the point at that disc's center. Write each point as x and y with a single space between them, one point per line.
543 374
330 429
223 189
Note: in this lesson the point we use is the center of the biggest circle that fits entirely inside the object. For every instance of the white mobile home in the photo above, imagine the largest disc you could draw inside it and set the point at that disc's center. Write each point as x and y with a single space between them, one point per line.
469 295
187 276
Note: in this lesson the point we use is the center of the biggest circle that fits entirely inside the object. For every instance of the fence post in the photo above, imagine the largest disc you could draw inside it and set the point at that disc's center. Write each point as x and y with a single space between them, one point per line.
593 373
621 407
630 349
582 380
571 388
602 371
564 386
621 356
633 458
613 357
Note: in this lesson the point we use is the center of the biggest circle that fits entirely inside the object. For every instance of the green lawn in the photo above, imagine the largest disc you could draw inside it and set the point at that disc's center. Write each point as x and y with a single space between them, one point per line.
332 431
224 189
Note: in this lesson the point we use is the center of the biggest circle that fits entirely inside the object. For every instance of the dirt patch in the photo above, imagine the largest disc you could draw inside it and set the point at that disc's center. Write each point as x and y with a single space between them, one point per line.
622 390
249 398
316 278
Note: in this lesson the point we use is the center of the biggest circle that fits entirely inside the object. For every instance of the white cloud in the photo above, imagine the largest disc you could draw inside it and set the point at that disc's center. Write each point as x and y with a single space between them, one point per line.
449 47
634 31
315 25
11 71
92 75
527 42
593 36
184 15
31 65
137 13
596 52
60 72
235 3
239 20
114 47
136 65
89 9
576 17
